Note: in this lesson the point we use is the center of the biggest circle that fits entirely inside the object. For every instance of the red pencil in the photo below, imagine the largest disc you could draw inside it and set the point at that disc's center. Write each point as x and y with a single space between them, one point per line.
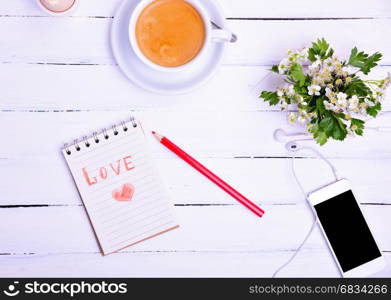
203 170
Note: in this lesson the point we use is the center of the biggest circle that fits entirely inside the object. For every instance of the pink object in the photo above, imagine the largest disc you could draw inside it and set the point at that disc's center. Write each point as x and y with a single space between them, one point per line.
125 193
208 174
57 6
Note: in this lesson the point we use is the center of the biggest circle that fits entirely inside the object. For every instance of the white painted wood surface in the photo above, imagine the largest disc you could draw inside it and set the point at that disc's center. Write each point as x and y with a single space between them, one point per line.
59 80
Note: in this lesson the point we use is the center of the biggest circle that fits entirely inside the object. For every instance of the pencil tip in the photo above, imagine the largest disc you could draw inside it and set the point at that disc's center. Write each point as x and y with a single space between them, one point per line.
157 136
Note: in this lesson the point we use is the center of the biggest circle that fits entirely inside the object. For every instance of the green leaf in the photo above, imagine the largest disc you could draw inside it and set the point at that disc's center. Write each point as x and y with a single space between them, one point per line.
320 48
363 61
333 127
271 97
274 69
327 125
374 110
357 126
297 74
320 106
330 126
357 58
371 62
319 135
357 87
301 90
340 131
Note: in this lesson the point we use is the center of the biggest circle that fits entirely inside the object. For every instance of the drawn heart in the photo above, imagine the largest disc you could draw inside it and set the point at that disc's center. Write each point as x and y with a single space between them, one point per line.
124 193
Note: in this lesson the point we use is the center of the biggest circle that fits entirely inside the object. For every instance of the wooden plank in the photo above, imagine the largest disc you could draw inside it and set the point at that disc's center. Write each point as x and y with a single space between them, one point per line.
259 179
204 134
232 8
314 263
172 264
306 9
318 263
103 87
202 229
90 44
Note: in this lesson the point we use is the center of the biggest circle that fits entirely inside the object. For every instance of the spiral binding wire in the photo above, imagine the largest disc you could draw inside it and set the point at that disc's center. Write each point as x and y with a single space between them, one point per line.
76 144
132 120
124 127
67 151
96 136
86 141
115 131
104 132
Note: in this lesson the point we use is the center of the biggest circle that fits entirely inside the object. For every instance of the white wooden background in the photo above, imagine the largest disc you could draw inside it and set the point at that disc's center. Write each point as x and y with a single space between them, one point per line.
58 79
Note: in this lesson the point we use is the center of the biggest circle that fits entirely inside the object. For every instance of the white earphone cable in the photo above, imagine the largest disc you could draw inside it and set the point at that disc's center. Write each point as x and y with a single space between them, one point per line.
292 146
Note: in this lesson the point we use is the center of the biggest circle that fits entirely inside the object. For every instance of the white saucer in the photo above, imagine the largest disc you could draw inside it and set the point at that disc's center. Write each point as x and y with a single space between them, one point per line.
157 81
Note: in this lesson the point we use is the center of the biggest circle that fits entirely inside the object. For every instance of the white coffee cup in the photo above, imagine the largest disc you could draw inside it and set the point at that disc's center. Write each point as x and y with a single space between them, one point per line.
211 36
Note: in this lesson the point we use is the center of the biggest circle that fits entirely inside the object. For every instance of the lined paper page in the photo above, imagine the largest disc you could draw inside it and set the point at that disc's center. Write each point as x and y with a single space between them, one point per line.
123 196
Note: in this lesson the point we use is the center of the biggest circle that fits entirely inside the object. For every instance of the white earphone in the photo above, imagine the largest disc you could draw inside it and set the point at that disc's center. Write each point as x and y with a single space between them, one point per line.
280 135
293 146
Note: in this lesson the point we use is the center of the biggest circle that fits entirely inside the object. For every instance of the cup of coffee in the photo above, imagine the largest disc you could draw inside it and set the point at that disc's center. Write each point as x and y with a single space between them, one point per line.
171 35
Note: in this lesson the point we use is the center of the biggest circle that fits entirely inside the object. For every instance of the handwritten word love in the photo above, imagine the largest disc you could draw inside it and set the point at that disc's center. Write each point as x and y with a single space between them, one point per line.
113 168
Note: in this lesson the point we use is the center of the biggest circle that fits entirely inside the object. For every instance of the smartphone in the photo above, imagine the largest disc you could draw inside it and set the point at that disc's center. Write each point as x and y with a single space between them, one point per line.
346 231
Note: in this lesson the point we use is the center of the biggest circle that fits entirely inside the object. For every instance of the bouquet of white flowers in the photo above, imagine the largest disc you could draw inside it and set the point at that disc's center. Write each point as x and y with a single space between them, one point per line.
327 94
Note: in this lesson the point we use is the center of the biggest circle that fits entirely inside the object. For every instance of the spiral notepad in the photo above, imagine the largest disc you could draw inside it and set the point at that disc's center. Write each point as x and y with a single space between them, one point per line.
121 191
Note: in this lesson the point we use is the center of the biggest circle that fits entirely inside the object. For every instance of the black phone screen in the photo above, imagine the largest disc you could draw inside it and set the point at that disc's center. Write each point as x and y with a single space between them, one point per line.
347 231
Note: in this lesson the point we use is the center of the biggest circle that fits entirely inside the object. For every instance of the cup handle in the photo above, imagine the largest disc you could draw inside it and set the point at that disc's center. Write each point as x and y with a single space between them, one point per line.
221 35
